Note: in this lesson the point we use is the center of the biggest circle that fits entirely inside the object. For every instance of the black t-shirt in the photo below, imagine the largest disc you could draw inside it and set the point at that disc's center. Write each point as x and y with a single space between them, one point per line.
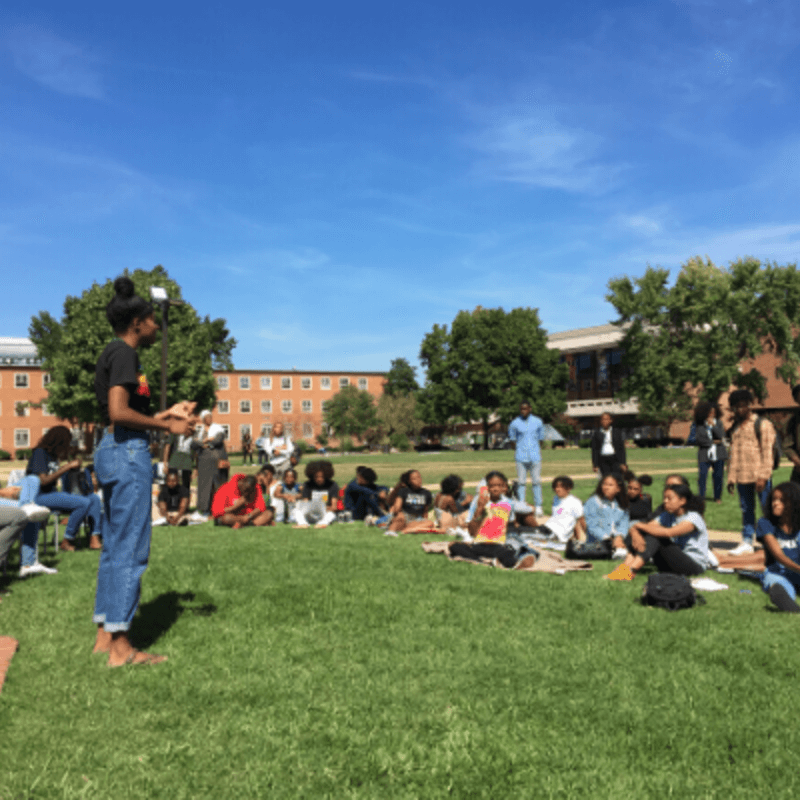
118 365
415 501
173 497
641 508
311 491
42 463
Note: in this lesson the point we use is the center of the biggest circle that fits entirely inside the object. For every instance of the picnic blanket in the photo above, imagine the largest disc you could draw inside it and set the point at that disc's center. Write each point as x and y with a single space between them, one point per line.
547 561
750 561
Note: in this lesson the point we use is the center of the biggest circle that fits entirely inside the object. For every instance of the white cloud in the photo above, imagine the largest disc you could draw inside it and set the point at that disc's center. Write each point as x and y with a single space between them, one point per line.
54 62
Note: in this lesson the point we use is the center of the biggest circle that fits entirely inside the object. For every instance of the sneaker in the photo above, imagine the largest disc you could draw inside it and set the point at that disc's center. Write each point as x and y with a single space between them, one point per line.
461 533
35 513
156 523
384 520
744 549
370 520
36 569
526 562
620 553
390 533
621 573
539 511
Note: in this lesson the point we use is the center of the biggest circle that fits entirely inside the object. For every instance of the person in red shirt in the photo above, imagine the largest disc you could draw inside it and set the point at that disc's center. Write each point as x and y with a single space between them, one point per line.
240 502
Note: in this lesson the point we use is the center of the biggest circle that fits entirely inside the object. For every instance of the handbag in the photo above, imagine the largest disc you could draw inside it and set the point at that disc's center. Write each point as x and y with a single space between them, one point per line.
589 551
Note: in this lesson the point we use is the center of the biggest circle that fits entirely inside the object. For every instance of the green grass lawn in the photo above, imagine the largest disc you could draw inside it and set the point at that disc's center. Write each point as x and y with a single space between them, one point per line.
342 663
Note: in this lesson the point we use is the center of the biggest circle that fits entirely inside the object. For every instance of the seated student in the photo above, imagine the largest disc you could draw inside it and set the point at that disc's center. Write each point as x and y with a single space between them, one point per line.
240 502
52 447
266 479
452 504
606 511
488 527
640 504
285 496
320 496
363 497
779 533
19 514
411 505
173 501
567 517
676 542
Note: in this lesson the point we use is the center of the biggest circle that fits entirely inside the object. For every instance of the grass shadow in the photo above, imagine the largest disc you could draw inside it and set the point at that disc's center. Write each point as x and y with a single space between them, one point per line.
156 617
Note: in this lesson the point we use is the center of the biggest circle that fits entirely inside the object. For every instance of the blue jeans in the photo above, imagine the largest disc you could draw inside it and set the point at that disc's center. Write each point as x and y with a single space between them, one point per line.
535 469
789 580
80 508
122 466
717 474
747 502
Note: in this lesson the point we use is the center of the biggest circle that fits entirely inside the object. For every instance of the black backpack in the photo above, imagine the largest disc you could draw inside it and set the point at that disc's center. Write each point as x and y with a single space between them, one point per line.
672 592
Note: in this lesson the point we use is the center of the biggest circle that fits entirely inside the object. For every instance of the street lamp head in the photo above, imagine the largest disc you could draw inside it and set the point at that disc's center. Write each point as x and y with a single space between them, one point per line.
158 294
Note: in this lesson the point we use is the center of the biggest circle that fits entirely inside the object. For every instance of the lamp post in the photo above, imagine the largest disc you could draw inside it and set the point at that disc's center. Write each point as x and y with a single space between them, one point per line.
158 294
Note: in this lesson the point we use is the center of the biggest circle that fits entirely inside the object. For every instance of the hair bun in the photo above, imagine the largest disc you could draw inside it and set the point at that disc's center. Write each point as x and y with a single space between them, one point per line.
645 480
124 287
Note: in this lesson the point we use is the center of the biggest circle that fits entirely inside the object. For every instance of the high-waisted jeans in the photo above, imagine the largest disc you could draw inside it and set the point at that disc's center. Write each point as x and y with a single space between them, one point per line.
122 466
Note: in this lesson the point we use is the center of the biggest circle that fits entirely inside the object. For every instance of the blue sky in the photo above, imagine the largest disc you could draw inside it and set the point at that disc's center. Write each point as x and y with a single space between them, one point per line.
335 178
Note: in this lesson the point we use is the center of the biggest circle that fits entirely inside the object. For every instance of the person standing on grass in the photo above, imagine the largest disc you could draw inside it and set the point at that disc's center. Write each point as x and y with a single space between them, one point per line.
122 465
608 448
791 442
751 462
711 453
527 431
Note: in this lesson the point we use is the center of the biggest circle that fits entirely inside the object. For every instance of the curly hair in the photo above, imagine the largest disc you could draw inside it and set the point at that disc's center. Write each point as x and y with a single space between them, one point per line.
451 485
790 492
56 440
325 467
563 480
367 473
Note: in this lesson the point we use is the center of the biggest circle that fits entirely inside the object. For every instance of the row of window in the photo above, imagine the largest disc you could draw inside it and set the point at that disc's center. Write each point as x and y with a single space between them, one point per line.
22 380
246 407
265 382
23 410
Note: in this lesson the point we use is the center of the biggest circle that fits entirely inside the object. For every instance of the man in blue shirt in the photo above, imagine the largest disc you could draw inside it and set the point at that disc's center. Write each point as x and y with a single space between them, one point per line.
526 431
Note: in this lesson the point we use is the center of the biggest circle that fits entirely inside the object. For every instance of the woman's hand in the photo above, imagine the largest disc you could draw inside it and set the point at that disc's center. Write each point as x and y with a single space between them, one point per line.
181 427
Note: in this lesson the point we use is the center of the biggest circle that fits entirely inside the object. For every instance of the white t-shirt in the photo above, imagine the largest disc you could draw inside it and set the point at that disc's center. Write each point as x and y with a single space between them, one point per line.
566 512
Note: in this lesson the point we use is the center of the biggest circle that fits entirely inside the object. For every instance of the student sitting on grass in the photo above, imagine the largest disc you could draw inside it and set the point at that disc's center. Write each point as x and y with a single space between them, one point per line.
567 517
606 511
240 502
452 504
285 497
640 504
173 501
320 496
488 527
676 542
779 533
411 505
363 497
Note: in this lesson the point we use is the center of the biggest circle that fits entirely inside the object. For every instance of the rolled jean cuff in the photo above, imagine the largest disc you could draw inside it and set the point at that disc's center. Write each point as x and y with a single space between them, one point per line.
110 627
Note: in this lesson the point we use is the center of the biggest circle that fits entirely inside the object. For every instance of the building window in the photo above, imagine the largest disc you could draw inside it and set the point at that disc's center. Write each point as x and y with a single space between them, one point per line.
308 429
266 406
344 382
222 381
266 382
244 430
286 406
306 406
22 437
22 410
46 379
227 429
324 383
362 384
289 428
223 406
244 381
46 411
305 383
21 380
266 430
286 383
244 407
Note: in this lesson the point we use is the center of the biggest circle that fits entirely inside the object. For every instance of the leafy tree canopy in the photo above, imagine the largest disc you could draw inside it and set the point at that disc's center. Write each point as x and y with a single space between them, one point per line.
69 349
401 379
691 338
350 412
487 364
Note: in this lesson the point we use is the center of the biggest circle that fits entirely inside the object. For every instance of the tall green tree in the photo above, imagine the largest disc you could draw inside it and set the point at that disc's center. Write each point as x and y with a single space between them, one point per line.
69 349
350 412
486 365
690 339
401 379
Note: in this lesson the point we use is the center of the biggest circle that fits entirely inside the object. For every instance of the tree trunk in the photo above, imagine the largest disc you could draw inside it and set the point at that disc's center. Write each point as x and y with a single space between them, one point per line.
485 433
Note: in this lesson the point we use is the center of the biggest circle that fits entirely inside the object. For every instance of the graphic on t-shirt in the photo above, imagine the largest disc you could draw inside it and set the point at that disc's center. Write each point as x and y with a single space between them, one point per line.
494 526
319 496
143 389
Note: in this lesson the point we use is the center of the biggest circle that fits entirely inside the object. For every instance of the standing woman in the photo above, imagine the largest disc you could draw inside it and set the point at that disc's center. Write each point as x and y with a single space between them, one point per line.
711 453
123 468
210 442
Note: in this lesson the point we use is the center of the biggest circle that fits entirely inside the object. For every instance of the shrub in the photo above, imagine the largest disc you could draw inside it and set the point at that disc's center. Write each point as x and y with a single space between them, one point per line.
400 442
5 455
346 444
24 454
585 443
303 447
